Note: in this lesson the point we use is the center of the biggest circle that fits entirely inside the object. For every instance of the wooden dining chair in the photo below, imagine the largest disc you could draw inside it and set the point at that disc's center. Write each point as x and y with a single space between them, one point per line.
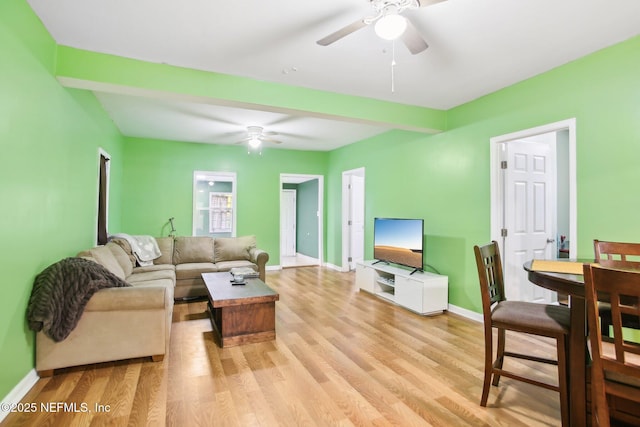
525 317
620 255
616 363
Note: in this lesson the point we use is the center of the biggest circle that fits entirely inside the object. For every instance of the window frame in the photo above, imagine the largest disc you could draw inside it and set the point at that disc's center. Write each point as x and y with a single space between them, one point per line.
221 176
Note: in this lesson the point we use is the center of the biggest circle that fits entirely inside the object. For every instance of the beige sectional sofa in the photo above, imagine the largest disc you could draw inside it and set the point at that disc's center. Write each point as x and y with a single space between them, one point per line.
129 322
193 256
117 323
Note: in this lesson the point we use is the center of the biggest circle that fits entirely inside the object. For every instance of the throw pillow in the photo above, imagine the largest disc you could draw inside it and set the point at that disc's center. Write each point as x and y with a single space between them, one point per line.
193 249
233 248
166 248
127 249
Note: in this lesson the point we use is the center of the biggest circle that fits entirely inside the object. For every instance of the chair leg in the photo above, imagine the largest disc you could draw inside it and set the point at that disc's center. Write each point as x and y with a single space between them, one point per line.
488 364
599 405
563 379
499 355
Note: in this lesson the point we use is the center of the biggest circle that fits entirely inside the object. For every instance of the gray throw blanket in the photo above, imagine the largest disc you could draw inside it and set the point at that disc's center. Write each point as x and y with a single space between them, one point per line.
144 248
61 292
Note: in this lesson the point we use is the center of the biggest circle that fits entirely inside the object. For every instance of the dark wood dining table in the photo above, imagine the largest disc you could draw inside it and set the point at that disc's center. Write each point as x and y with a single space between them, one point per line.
572 285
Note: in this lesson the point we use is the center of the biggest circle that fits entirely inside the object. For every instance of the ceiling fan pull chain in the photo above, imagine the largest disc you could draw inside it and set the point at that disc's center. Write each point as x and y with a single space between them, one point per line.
393 65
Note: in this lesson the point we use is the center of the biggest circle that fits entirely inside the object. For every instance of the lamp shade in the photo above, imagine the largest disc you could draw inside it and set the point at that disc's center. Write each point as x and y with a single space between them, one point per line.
390 27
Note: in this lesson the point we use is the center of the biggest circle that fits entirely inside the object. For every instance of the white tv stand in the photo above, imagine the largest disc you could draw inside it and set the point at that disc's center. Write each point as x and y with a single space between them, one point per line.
422 292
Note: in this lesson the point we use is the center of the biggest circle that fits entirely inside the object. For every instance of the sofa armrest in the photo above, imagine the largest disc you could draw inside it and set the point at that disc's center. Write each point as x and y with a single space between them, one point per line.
258 256
129 298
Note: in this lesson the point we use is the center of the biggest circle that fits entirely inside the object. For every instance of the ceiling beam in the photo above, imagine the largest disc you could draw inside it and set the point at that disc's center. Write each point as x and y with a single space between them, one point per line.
94 71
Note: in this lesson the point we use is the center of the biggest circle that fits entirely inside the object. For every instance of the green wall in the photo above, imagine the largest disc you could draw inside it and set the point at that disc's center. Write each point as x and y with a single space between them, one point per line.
444 178
49 139
163 175
409 175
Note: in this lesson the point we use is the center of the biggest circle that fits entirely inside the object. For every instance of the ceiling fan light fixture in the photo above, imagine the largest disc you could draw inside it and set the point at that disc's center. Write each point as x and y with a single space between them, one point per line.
254 142
391 26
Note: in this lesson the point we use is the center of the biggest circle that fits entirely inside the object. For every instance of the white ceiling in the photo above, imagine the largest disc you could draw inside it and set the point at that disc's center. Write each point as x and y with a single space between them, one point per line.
476 47
197 122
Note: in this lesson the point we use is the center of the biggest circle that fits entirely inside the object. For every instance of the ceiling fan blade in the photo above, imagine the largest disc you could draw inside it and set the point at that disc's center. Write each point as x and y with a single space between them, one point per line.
273 141
412 39
270 133
343 32
425 3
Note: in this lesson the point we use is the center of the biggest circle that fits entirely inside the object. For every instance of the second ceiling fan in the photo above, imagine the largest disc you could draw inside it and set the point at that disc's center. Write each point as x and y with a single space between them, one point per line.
256 135
390 24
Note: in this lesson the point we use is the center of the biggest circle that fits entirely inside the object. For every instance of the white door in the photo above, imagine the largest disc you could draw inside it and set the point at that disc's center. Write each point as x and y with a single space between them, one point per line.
356 229
288 223
353 183
529 213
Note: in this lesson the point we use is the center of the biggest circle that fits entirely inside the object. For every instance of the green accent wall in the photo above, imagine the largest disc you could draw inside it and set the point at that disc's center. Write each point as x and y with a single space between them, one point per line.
444 178
408 175
49 139
159 177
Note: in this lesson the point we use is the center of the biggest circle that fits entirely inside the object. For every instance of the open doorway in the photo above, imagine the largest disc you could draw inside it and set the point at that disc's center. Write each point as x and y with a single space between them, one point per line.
301 220
533 201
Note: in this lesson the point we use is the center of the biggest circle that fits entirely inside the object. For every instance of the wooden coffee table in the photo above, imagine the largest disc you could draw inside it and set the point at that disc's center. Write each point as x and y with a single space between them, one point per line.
241 314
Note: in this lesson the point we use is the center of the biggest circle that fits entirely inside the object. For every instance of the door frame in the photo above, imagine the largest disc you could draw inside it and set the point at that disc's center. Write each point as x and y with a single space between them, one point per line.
497 184
107 156
346 203
294 178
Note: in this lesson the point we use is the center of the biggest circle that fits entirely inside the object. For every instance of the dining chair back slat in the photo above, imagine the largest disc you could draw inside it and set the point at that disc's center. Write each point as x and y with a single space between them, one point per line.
616 362
618 255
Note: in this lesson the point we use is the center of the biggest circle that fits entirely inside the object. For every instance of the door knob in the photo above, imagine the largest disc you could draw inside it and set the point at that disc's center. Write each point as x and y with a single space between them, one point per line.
551 240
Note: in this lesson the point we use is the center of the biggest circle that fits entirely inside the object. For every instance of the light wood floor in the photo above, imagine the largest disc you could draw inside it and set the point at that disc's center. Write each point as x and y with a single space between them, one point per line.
298 260
341 357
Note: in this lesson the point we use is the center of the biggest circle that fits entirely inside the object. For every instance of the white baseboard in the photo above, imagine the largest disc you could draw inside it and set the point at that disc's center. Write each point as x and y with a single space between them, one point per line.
334 267
19 391
472 315
273 268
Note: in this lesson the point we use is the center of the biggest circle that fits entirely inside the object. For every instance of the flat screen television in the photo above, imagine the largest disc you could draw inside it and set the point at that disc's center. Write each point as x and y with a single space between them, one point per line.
399 241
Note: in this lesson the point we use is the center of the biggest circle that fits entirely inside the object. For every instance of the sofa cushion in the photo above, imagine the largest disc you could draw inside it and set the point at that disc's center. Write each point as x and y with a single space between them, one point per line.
151 276
122 257
155 267
233 248
228 265
104 257
193 249
166 248
126 247
159 283
194 270
135 298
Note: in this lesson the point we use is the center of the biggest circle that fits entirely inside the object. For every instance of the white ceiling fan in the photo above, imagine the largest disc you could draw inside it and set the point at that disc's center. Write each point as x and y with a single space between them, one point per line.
256 135
390 24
